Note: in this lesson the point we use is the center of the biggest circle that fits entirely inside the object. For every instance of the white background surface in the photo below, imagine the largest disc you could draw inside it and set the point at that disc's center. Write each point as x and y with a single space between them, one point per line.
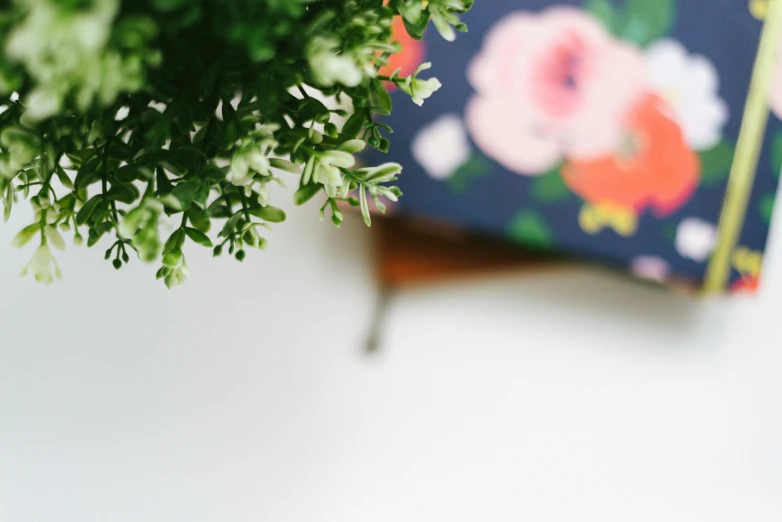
245 396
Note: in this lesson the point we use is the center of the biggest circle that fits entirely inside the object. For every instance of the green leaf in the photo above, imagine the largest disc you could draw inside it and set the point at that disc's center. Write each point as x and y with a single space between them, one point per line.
230 225
25 235
64 178
94 237
550 187
306 193
124 192
646 20
174 240
86 211
132 172
164 185
219 212
474 168
417 29
187 191
715 164
87 174
766 206
173 258
285 165
186 157
668 232
381 100
529 228
269 213
603 10
354 125
776 154
199 237
199 219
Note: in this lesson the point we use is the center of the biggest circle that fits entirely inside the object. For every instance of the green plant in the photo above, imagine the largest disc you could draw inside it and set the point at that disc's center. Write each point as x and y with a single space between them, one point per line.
118 115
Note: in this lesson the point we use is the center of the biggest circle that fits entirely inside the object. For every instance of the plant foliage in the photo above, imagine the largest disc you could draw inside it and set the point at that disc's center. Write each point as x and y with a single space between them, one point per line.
121 118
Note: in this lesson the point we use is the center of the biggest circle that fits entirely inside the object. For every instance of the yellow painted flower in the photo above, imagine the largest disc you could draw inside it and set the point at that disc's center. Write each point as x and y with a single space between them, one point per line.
759 8
748 263
594 218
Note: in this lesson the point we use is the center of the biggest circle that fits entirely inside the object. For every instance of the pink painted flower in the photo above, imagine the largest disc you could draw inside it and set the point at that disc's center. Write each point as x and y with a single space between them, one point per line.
551 85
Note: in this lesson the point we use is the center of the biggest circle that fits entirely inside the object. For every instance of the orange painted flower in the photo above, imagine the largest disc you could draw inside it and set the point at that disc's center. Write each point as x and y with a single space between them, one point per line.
411 55
746 285
653 168
748 263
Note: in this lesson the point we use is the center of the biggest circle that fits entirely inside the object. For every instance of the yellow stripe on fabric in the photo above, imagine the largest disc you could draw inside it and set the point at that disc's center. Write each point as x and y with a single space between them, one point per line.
748 149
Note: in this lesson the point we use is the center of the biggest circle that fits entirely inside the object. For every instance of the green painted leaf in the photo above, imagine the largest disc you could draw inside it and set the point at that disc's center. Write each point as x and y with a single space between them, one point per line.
550 187
776 154
530 229
766 206
716 163
646 20
602 10
474 168
669 232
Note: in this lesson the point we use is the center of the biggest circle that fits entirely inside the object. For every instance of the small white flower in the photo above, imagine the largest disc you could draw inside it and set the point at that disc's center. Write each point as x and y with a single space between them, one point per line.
246 162
240 169
689 83
175 268
420 90
122 113
650 267
328 67
263 194
696 239
327 170
42 103
258 162
43 266
442 147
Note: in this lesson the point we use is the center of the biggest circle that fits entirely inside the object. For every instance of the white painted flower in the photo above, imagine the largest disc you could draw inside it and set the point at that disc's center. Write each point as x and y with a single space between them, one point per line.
689 83
442 147
775 92
696 239
650 267
43 267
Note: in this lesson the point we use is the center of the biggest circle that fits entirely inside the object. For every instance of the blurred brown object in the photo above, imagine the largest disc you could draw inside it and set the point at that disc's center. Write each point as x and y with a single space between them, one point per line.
410 252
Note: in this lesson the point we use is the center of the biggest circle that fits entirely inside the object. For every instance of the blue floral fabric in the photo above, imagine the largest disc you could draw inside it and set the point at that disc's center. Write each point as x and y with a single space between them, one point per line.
601 128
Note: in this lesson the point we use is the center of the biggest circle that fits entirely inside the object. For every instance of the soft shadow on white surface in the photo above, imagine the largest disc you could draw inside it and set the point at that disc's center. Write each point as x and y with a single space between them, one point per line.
243 396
